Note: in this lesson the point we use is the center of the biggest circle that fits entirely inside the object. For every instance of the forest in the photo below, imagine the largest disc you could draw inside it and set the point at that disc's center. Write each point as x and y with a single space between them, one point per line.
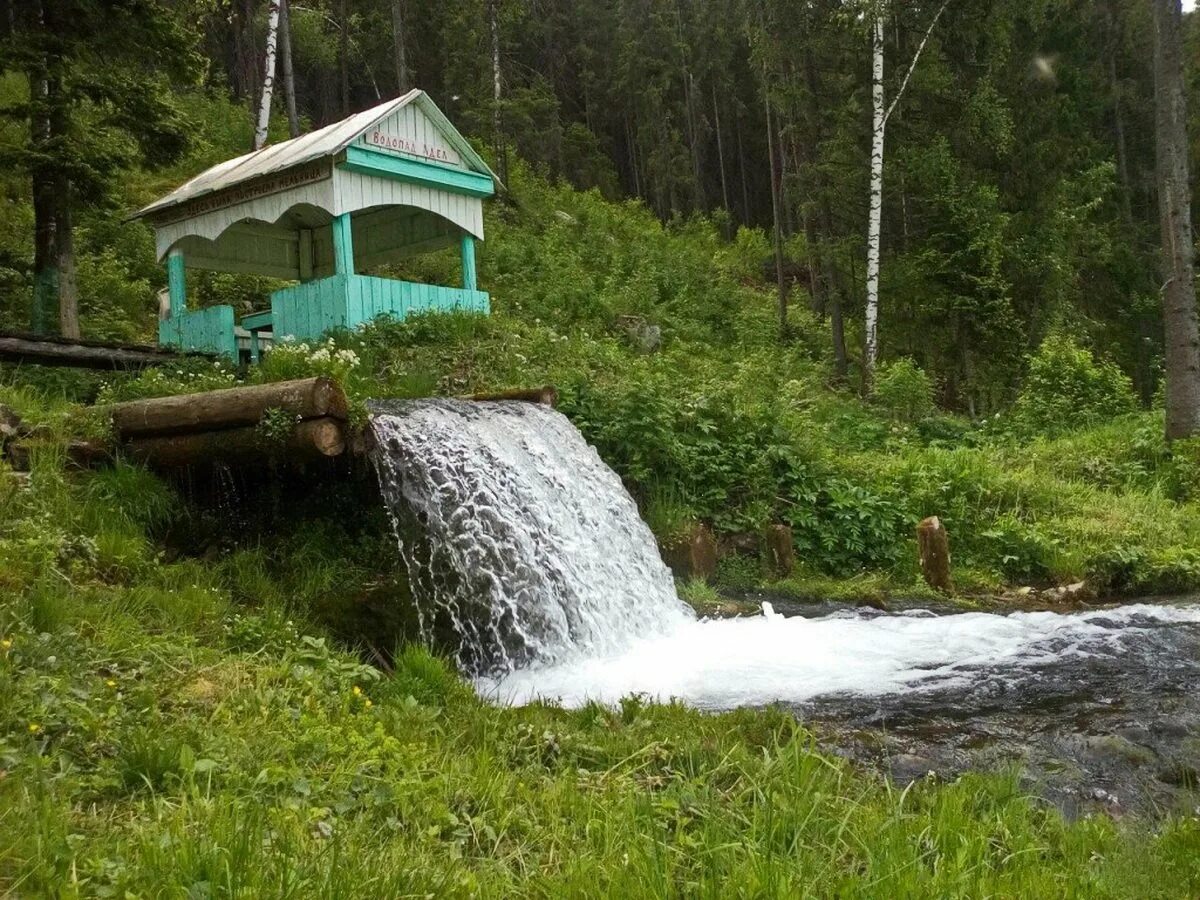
827 266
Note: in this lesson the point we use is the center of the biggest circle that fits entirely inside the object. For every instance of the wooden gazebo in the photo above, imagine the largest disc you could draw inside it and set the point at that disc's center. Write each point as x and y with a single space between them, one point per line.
320 210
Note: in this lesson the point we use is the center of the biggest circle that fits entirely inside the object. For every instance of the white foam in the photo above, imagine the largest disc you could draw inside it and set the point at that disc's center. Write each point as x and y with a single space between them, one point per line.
770 658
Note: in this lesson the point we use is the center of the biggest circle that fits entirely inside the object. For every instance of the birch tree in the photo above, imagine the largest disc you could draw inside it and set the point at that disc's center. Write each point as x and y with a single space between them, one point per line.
880 113
1175 215
493 9
268 83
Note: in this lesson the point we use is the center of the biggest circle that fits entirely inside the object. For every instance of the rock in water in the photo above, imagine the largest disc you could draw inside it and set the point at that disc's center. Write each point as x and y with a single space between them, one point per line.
522 546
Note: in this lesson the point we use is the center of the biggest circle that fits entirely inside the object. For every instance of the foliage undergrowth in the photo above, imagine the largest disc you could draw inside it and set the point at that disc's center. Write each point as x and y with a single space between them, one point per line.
185 727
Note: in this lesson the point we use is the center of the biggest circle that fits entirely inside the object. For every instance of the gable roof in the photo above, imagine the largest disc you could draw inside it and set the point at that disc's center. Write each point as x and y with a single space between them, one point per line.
322 143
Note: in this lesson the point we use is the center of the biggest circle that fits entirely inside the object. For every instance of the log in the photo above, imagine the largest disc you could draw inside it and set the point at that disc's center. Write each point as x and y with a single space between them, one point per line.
80 454
933 547
547 395
307 398
311 439
49 351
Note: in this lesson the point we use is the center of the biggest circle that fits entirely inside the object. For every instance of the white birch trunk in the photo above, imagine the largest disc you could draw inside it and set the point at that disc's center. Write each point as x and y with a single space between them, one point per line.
268 85
879 124
880 116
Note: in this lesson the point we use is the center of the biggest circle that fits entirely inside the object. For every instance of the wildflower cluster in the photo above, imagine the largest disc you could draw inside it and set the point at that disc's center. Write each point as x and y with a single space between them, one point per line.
185 378
289 359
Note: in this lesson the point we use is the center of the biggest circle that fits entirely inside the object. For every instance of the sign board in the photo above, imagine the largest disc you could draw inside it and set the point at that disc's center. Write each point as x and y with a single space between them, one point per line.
249 190
410 133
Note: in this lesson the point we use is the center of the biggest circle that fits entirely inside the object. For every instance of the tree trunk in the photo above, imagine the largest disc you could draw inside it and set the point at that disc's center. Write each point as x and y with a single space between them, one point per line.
875 217
344 55
45 249
737 128
829 268
720 150
498 142
1174 202
401 48
286 71
268 81
778 220
68 286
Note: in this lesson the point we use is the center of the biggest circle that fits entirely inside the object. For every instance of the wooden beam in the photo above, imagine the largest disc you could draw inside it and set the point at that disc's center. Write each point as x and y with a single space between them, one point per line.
177 282
218 411
468 262
547 395
312 439
343 245
368 161
44 350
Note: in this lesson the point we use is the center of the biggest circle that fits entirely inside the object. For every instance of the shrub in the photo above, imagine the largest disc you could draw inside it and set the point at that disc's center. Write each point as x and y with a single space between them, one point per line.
1068 387
904 391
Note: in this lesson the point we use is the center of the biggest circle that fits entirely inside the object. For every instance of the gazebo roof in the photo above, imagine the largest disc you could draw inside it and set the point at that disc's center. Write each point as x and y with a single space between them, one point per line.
316 145
410 181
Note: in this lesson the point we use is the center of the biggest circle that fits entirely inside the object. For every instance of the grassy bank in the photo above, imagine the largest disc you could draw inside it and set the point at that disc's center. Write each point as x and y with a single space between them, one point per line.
186 724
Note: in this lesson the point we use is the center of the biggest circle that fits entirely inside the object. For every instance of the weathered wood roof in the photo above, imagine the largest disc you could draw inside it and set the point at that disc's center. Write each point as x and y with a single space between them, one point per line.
317 145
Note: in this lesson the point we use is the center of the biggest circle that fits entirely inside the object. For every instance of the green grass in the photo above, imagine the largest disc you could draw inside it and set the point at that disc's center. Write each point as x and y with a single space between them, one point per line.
190 728
245 759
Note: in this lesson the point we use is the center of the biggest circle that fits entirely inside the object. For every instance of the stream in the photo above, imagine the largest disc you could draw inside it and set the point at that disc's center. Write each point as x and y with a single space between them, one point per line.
526 555
1100 709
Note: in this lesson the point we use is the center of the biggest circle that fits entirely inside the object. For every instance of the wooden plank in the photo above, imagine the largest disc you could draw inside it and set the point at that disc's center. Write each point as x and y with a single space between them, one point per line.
20 347
306 398
368 161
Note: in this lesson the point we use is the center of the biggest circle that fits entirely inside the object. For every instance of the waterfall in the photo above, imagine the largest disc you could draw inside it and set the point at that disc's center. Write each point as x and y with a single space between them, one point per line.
523 548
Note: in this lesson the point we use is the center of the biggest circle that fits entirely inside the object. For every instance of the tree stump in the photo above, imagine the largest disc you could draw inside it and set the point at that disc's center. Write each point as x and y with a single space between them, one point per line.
693 556
781 552
933 547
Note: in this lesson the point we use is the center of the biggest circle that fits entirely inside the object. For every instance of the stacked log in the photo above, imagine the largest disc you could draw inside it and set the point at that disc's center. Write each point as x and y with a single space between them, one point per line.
224 425
45 350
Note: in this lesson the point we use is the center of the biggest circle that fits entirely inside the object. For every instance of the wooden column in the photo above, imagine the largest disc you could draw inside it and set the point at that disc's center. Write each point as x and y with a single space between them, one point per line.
343 245
468 262
176 282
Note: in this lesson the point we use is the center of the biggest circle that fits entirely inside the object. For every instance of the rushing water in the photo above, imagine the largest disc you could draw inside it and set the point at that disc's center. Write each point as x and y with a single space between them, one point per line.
520 542
753 661
526 553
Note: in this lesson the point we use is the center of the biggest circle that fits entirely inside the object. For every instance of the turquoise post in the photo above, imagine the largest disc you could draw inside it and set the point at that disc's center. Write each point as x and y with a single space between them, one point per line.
254 348
468 262
343 245
176 283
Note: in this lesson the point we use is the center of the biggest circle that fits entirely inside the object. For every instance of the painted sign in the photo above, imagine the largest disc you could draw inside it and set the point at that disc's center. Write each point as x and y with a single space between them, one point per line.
409 132
249 190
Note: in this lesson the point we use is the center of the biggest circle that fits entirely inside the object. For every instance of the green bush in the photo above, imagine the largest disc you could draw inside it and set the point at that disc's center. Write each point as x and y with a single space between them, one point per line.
903 391
1067 387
